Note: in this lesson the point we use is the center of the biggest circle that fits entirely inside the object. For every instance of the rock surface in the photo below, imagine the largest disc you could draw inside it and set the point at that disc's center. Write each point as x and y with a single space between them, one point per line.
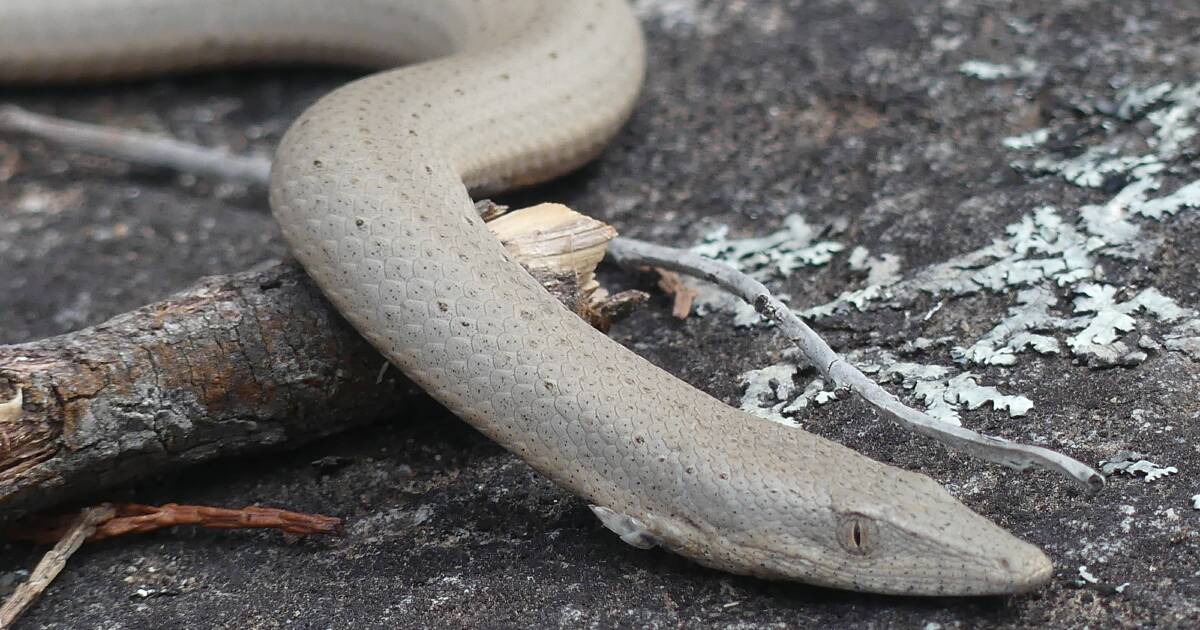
884 125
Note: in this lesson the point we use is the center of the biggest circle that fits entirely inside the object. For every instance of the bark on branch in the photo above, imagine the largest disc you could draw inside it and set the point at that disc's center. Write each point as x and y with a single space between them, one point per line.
233 365
236 364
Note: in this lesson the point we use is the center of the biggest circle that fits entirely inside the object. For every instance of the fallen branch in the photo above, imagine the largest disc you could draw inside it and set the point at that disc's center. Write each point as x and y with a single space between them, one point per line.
52 564
236 364
635 254
134 518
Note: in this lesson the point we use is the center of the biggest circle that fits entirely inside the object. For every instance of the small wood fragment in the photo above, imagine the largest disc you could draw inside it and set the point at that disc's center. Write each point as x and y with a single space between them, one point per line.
489 209
604 309
683 295
10 160
560 248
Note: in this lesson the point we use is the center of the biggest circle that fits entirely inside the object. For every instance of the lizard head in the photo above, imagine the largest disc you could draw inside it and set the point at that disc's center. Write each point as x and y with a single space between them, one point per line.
899 532
858 525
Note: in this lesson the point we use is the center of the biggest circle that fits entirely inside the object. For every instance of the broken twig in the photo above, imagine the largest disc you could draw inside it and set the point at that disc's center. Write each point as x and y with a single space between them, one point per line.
135 518
632 253
79 529
138 147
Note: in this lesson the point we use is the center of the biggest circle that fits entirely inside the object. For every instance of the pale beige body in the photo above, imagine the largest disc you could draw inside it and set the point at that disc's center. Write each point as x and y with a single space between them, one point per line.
370 187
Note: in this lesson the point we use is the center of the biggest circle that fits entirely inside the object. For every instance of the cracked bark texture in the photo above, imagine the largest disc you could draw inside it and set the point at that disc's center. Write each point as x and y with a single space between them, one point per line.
234 365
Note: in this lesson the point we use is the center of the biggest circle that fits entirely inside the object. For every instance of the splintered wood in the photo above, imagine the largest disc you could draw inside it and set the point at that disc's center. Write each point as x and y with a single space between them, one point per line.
560 248
683 295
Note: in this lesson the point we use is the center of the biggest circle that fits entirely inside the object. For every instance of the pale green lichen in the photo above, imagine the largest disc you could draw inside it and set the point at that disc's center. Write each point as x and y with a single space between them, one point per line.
771 393
989 71
1045 247
1051 261
1094 167
941 392
943 399
1133 464
1133 102
1176 122
1016 333
881 270
1185 338
1109 317
1033 139
1173 112
776 255
1186 196
768 391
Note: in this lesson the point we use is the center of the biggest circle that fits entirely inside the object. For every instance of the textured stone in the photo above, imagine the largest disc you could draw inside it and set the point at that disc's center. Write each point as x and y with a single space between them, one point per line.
845 110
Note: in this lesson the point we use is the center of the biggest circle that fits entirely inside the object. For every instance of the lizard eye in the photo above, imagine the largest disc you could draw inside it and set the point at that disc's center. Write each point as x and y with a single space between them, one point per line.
856 534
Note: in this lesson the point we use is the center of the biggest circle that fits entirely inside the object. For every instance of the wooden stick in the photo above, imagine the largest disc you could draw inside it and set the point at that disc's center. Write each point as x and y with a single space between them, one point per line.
135 518
138 147
832 366
234 365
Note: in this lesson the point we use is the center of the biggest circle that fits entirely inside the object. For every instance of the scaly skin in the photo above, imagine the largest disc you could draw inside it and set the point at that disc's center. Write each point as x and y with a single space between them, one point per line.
371 187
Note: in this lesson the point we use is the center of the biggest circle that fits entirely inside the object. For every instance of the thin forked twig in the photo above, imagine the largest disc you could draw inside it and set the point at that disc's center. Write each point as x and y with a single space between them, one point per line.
149 149
633 253
80 528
